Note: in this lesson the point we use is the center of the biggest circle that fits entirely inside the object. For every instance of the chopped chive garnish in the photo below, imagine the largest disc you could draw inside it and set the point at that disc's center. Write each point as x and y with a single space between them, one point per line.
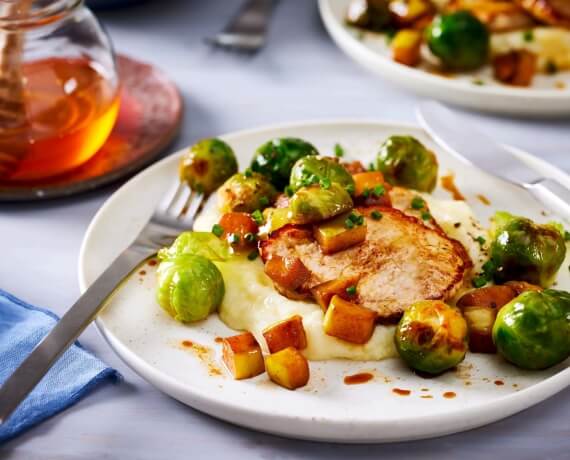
426 216
252 255
528 35
353 217
351 290
360 220
480 281
366 192
376 215
371 167
247 173
566 235
350 188
379 190
257 217
325 183
264 201
480 240
338 150
289 191
348 223
217 230
418 202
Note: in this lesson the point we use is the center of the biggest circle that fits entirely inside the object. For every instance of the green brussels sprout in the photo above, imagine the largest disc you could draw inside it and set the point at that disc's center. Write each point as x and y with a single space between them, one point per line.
523 250
190 287
533 330
319 170
459 40
315 203
368 14
204 244
207 164
246 193
405 161
275 158
431 337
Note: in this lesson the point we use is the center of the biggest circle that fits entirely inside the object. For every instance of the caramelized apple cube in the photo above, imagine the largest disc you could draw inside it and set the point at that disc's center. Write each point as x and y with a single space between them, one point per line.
480 321
348 321
334 235
488 296
284 334
288 272
242 356
288 368
324 292
406 47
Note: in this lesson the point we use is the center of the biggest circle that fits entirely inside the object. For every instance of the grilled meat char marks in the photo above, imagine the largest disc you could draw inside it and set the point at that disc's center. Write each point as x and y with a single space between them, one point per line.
401 261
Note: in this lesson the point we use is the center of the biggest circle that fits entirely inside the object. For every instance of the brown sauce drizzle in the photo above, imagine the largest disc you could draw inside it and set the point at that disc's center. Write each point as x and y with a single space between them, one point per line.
426 396
499 383
218 340
483 199
424 389
152 262
448 183
187 343
449 394
401 392
359 378
142 272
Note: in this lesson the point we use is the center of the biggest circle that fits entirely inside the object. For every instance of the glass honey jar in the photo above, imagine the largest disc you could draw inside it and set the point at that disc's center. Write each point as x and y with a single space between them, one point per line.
59 90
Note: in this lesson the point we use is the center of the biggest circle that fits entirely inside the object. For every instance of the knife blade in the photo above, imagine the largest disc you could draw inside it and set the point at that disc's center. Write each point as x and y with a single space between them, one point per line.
475 148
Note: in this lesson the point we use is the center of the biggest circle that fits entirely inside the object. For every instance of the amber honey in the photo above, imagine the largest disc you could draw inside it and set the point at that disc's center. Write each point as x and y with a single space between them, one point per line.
70 109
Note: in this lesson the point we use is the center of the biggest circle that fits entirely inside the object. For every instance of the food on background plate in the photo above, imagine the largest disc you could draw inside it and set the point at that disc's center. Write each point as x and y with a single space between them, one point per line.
341 262
518 39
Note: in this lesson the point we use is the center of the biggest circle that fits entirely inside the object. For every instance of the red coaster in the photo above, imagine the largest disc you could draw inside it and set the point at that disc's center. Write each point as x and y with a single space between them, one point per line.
149 120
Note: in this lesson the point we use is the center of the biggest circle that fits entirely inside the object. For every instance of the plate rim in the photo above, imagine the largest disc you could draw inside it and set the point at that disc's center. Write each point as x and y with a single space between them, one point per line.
230 411
397 73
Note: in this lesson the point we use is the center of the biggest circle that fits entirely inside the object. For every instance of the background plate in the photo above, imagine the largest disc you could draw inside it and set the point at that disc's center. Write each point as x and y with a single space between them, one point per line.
372 51
150 342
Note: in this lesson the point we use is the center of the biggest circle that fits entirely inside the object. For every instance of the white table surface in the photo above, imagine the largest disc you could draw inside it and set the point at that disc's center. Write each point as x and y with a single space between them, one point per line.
300 75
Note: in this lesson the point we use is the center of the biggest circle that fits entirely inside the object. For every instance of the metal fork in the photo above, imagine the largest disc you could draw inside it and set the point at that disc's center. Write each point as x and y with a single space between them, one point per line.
246 31
175 213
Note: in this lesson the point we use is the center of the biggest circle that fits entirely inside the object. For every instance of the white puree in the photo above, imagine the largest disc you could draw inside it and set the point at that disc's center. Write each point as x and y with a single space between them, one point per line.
251 303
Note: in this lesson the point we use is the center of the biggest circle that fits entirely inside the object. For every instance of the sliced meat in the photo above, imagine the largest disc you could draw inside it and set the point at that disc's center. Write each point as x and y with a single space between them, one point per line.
497 15
401 261
553 12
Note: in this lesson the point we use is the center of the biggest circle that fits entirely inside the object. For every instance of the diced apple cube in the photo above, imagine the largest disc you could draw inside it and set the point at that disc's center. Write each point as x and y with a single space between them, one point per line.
289 272
334 236
406 47
323 293
242 356
348 321
287 333
288 368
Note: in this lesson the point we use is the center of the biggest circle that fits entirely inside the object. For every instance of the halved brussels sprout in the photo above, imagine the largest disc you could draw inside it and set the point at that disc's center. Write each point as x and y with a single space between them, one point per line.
190 287
533 330
245 193
368 14
204 244
207 164
405 161
275 158
523 250
315 203
431 336
459 40
319 170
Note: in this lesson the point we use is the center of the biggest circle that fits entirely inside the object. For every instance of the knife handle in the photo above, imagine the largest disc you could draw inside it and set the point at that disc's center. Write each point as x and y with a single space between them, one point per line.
553 195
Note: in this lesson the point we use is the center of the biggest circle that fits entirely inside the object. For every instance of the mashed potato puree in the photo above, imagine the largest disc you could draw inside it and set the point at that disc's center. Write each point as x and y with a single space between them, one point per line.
251 303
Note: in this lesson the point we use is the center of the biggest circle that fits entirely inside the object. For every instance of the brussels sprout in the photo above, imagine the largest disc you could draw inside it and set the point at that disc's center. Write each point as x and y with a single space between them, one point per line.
204 244
459 40
319 170
533 330
315 203
431 336
246 193
275 158
368 14
523 250
405 161
207 164
190 287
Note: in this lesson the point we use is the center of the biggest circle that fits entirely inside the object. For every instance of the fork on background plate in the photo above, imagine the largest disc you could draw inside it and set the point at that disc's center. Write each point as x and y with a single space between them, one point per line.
174 213
247 30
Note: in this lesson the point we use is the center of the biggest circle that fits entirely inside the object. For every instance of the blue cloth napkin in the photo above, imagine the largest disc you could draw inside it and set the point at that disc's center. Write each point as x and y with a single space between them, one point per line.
75 374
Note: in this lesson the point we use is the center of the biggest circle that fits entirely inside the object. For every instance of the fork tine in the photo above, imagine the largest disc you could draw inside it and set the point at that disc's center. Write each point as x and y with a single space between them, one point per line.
179 202
169 197
193 206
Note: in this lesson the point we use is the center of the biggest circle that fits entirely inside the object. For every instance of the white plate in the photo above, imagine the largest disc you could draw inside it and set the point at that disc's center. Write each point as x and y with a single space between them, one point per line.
326 409
372 51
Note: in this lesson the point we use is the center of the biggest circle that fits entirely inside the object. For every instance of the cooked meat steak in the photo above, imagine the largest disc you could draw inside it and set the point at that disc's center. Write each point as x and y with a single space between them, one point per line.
401 261
553 12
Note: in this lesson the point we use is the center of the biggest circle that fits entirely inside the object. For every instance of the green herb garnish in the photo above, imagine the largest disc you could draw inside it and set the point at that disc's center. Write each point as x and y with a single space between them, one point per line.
338 150
418 203
257 217
376 215
351 290
217 230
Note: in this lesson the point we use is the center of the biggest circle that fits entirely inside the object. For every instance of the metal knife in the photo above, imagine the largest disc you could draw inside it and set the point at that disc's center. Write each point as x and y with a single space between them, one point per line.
475 148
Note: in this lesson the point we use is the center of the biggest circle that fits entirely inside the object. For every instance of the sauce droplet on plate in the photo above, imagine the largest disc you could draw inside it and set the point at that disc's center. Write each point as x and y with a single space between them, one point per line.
218 340
187 343
499 383
142 272
357 379
449 394
152 262
448 183
427 396
401 392
483 199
